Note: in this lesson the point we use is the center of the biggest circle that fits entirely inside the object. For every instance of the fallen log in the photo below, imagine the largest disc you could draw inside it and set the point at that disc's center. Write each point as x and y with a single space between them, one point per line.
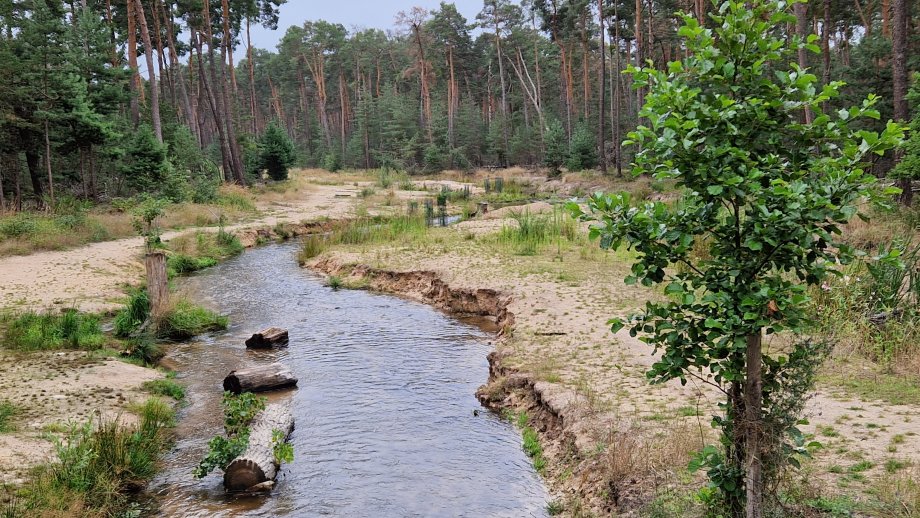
256 467
268 338
260 379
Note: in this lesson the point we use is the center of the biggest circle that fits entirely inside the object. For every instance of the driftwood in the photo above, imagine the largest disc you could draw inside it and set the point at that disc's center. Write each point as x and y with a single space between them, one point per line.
260 379
268 338
255 468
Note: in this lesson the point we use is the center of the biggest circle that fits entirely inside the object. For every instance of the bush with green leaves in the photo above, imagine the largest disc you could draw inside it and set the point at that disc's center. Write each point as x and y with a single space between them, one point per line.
276 152
764 195
909 167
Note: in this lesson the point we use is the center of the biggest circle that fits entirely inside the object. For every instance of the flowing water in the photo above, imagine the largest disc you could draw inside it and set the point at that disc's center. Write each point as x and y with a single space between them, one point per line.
384 410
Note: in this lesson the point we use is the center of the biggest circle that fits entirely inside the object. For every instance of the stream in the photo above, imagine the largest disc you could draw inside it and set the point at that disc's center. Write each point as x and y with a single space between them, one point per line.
384 409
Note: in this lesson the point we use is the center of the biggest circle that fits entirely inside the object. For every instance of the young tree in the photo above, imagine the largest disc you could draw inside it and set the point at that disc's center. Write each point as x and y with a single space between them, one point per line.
557 149
765 195
276 152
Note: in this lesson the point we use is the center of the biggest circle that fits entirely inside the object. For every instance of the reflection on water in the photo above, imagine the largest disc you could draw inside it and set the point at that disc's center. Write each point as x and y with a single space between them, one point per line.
383 413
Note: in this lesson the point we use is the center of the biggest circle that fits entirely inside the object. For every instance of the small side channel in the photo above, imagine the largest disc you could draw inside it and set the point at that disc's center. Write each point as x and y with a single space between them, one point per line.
386 419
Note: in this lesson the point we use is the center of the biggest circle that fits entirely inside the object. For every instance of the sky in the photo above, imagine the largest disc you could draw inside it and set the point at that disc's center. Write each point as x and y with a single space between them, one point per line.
370 14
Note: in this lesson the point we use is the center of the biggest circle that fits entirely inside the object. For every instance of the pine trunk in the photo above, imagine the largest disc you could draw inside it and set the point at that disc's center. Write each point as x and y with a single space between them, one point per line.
151 71
900 21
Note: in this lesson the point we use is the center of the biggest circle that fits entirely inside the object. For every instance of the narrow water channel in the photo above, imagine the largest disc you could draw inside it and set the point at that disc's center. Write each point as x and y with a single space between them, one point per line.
384 410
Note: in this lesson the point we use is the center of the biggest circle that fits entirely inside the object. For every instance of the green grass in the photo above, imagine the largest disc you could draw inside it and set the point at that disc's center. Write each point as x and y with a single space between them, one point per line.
71 329
180 264
366 231
165 387
890 388
199 250
7 412
97 466
534 231
312 246
894 465
183 320
133 315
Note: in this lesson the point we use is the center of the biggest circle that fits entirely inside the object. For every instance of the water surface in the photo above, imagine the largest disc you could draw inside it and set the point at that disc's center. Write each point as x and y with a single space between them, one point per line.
384 412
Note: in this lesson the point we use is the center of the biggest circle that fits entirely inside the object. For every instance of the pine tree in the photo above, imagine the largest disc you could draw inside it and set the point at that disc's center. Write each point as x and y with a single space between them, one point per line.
276 152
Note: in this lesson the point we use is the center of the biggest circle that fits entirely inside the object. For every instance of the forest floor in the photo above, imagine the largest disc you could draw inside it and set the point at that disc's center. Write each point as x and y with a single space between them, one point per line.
619 440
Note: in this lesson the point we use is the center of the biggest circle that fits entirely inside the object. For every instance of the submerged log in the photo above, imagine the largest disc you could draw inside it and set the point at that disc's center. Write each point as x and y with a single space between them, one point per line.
268 338
256 467
260 379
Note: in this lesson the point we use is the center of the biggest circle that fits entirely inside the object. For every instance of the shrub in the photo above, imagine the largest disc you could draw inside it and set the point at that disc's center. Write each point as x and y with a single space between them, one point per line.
332 162
31 331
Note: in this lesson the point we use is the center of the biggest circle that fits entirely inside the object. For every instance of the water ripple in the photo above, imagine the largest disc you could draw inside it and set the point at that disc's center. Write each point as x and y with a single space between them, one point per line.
384 408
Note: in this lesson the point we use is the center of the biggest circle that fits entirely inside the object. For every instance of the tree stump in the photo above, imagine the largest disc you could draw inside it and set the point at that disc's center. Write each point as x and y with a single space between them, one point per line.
157 282
268 338
483 208
256 467
260 379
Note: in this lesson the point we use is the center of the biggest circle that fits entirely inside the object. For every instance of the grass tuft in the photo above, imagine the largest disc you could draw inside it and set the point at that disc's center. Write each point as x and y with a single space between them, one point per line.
183 320
7 412
97 466
165 387
31 331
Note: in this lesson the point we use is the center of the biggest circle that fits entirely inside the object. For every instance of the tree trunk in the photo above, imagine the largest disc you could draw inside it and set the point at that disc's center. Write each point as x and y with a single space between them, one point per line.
602 91
501 76
753 427
260 379
157 283
32 159
900 21
48 163
253 110
137 89
640 55
801 29
257 465
212 103
151 71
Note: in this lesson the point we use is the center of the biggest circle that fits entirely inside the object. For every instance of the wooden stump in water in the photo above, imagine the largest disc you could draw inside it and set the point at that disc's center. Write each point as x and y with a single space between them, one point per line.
260 379
268 338
157 282
256 466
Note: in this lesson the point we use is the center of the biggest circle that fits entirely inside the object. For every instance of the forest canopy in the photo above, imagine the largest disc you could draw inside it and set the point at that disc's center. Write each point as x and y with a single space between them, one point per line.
103 99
